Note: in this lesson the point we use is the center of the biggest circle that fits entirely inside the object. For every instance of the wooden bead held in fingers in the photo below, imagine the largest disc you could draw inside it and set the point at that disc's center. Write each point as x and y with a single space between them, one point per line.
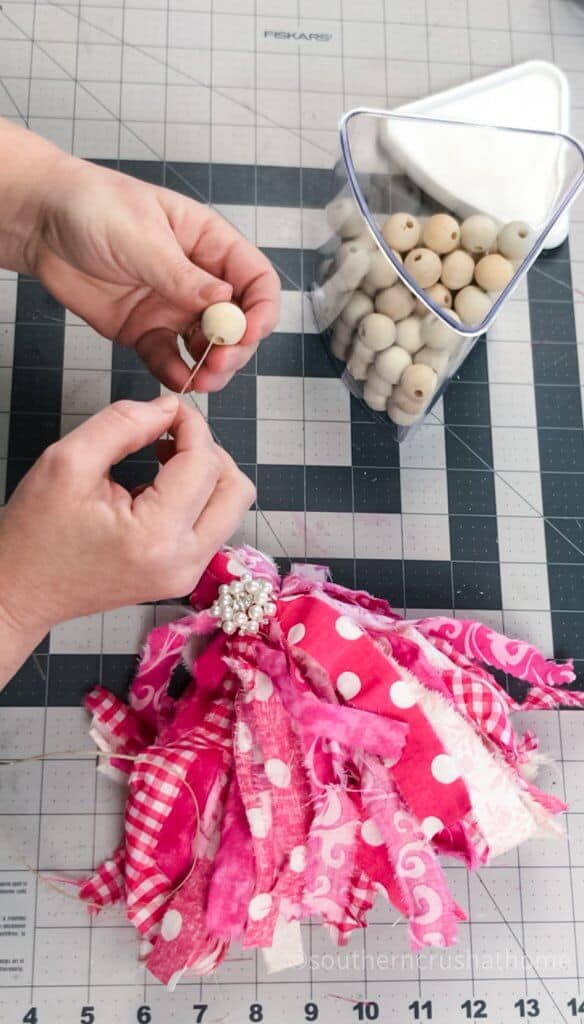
402 232
358 306
478 234
457 269
419 382
494 272
441 233
396 302
223 323
424 266
376 332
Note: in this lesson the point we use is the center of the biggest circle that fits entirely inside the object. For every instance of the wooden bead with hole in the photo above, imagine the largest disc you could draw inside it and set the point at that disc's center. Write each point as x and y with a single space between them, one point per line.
515 240
419 382
223 323
396 302
441 233
478 234
376 332
494 272
406 403
424 266
402 231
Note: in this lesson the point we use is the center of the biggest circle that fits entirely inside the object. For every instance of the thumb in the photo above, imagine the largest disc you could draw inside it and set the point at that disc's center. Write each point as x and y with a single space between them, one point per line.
178 281
117 431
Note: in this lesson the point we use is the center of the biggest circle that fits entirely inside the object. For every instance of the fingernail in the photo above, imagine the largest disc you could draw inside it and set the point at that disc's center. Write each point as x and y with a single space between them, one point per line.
216 291
168 403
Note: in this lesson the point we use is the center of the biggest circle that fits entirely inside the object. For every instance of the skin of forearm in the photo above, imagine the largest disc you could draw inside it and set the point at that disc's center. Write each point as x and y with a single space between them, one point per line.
29 173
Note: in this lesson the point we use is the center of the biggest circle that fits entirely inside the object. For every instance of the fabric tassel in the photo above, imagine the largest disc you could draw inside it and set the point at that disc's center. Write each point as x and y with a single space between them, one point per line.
311 766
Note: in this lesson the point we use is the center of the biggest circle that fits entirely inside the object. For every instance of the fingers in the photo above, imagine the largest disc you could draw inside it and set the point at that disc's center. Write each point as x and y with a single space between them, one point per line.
158 349
231 499
190 471
166 269
218 248
117 431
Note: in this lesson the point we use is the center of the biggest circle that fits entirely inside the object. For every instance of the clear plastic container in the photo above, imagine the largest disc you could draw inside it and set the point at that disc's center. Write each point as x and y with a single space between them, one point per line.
431 226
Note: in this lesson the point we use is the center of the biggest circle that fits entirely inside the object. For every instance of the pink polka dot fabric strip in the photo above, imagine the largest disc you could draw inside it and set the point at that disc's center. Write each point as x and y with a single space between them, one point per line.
309 769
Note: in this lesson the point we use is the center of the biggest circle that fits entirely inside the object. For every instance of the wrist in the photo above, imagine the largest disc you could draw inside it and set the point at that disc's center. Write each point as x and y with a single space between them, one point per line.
31 174
17 641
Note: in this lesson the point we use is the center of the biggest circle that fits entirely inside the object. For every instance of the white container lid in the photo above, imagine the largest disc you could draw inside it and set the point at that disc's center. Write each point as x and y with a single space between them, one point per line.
532 95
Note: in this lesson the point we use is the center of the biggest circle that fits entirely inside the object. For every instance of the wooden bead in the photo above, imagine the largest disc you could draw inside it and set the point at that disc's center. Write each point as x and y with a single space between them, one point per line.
376 331
357 367
437 359
352 261
438 335
362 352
396 302
378 383
223 323
391 364
478 234
493 272
406 403
457 269
441 233
515 240
472 304
344 217
402 231
376 400
399 416
341 340
358 306
325 269
440 295
419 382
409 335
380 274
424 266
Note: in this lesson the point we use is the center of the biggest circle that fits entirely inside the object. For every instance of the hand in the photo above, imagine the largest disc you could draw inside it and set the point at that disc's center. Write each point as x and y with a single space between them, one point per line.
141 263
73 542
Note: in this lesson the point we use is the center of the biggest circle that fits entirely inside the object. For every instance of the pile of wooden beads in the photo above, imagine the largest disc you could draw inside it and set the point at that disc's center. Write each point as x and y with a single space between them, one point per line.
391 343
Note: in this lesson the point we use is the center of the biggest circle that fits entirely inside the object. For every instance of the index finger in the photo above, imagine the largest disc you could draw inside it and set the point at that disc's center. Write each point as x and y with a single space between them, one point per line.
185 482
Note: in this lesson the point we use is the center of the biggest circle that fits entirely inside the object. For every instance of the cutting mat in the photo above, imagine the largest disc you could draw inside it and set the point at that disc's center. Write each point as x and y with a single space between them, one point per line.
235 102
